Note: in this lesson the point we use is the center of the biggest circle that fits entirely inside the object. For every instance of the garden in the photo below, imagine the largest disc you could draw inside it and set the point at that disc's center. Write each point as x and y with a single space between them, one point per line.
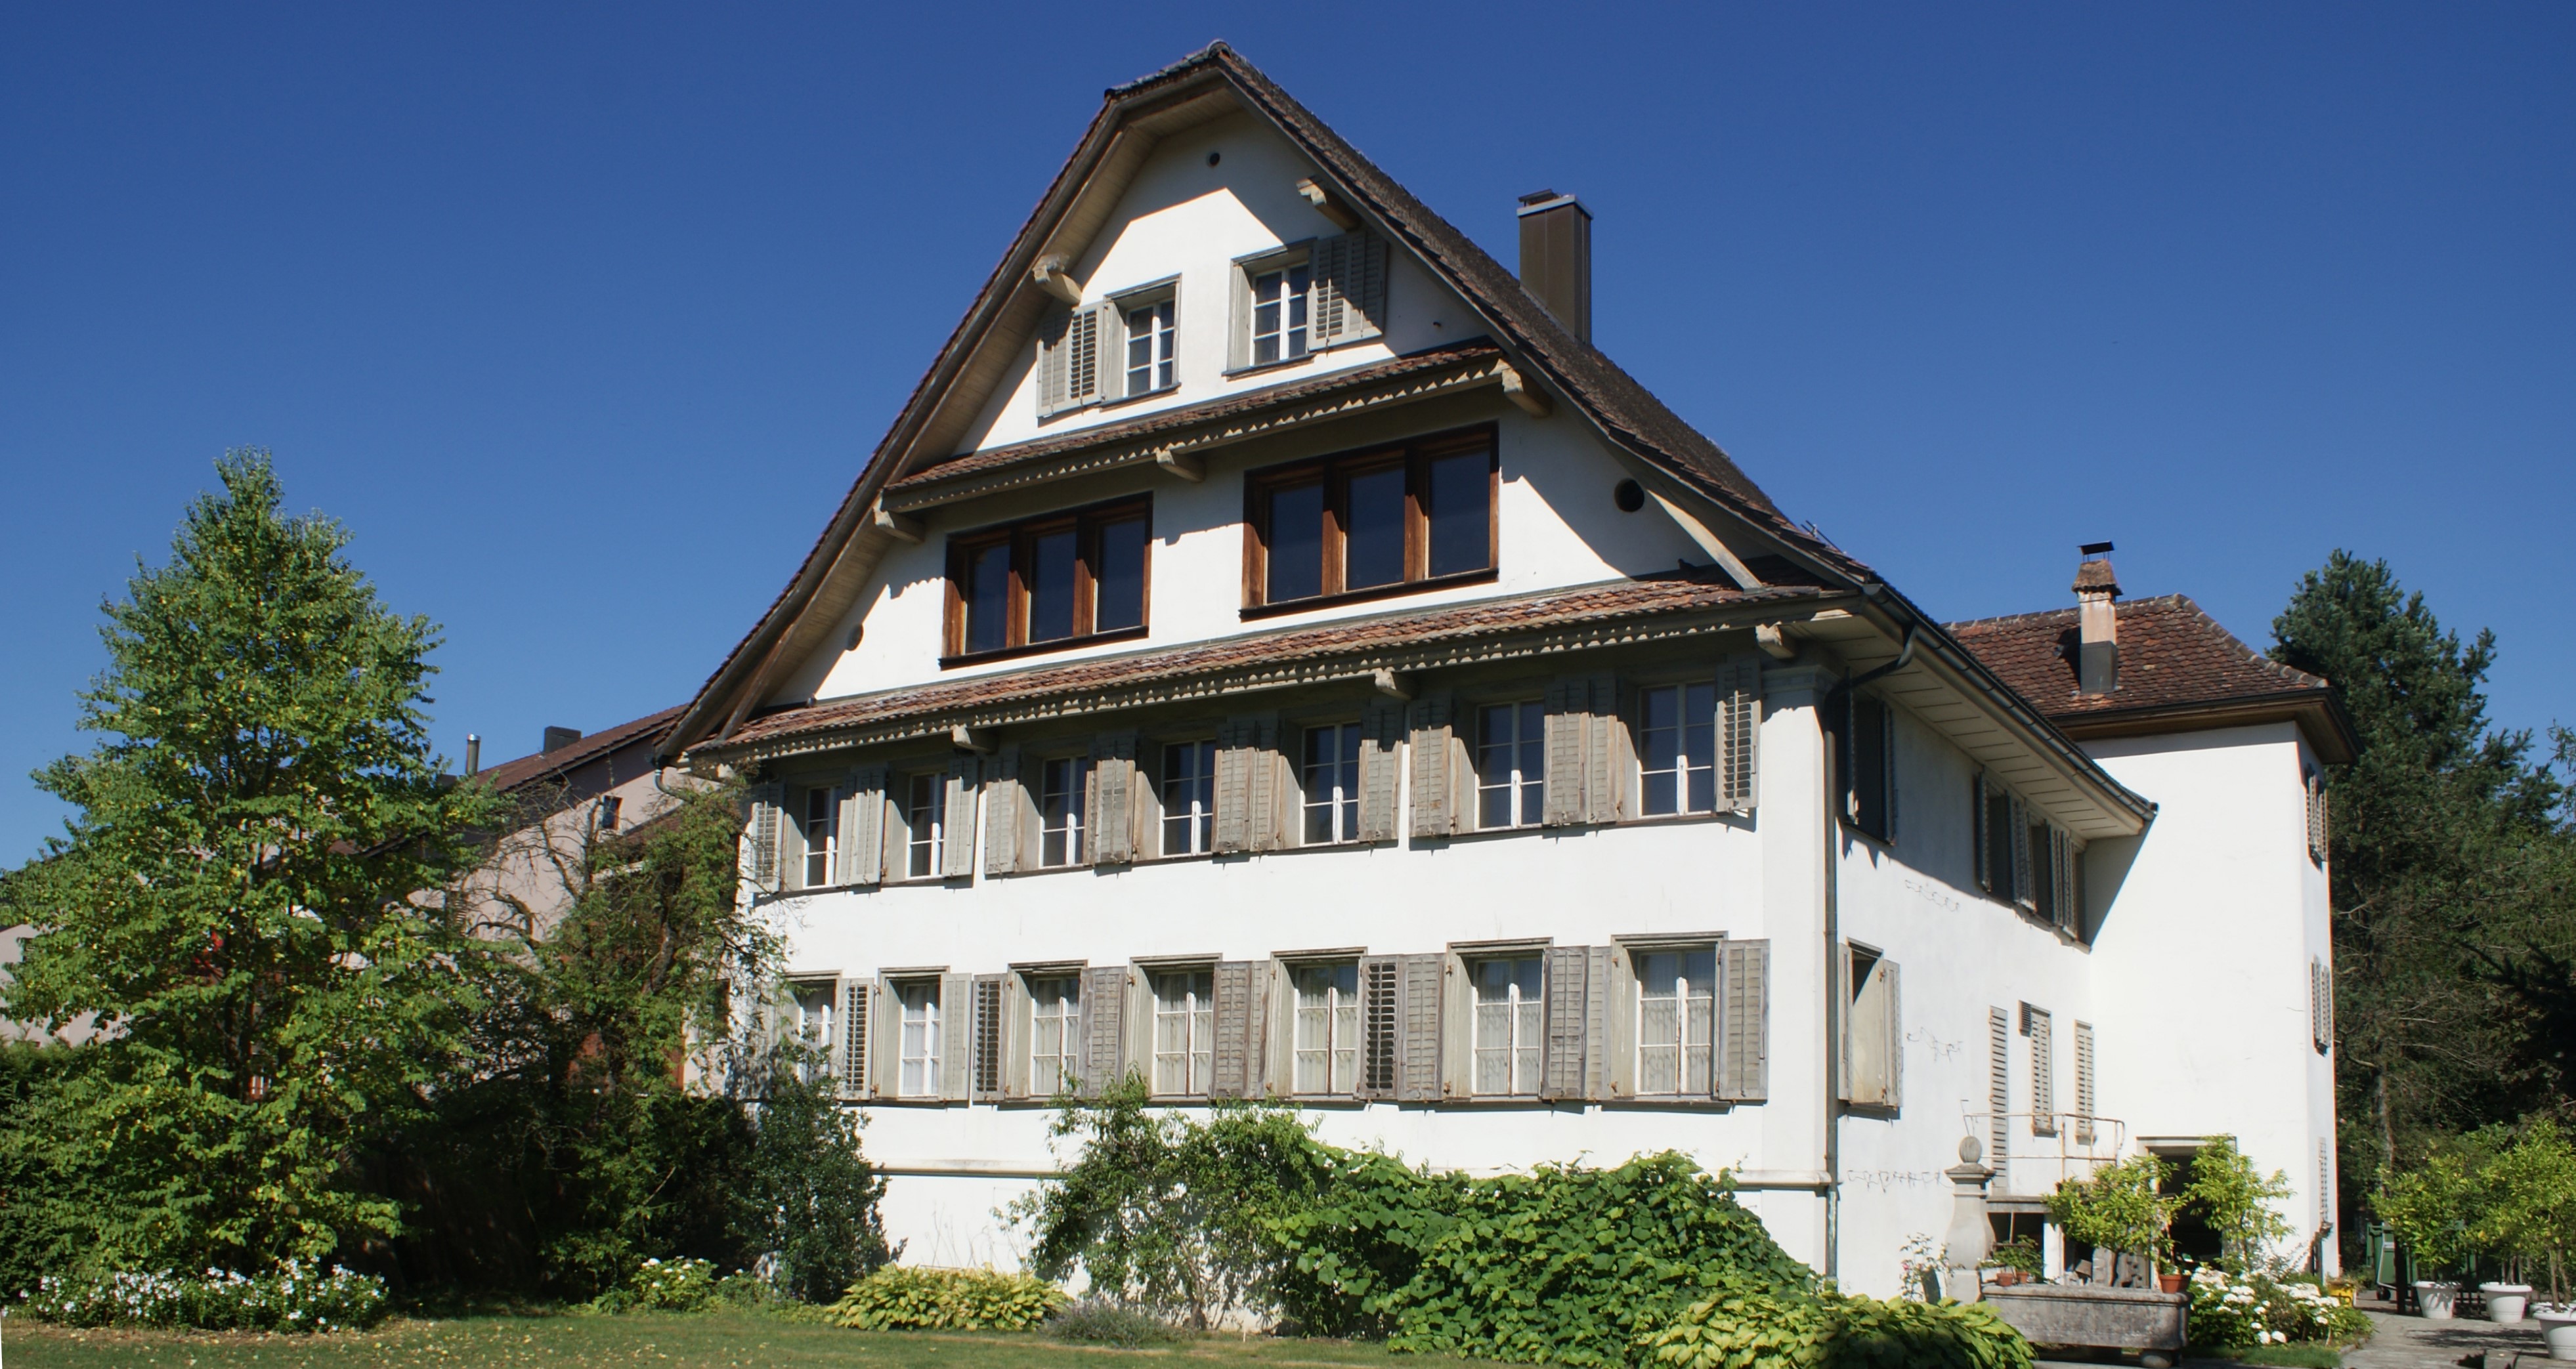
2502 1198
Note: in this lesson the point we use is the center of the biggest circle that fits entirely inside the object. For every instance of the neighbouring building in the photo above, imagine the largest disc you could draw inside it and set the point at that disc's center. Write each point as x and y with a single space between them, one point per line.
572 792
1275 652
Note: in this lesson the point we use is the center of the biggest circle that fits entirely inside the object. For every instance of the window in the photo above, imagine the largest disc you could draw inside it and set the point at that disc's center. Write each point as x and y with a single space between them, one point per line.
1189 798
1281 298
1676 1022
1511 764
919 1057
1055 1034
810 1002
1314 295
1184 1032
607 812
1330 773
1063 788
1865 737
1996 814
925 816
1328 1029
821 830
1373 521
1150 358
1057 579
1873 1032
1508 1019
1677 748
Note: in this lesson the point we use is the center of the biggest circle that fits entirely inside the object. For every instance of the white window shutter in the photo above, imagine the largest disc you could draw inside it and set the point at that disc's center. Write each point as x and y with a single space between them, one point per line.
1381 739
1104 1028
1865 1037
985 1072
1435 809
1418 1066
858 1016
956 1036
1998 1087
1740 707
767 804
1004 798
1744 1054
885 1041
1112 840
1054 382
1238 1031
863 809
2083 1083
1567 1011
957 830
2042 1031
1089 365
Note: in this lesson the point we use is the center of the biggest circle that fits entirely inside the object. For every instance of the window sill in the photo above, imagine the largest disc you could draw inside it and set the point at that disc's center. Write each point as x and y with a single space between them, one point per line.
1158 392
1267 367
1652 1103
1485 576
1124 634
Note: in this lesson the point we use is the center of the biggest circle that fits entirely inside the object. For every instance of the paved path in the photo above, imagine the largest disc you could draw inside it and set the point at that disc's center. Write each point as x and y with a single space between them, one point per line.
2411 1343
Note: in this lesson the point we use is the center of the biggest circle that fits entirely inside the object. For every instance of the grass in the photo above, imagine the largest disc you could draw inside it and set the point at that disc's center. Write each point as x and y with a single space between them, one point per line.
2288 1356
718 1340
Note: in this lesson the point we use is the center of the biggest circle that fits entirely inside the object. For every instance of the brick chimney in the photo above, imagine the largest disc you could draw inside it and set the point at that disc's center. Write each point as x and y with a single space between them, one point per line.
2097 662
1556 257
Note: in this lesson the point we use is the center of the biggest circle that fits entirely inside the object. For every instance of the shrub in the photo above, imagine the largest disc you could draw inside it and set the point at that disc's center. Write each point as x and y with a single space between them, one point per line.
297 1297
900 1298
1745 1326
1092 1322
664 1286
2230 1311
2236 1201
2120 1208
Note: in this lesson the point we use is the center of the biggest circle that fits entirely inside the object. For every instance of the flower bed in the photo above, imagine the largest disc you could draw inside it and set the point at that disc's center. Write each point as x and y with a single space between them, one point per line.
2229 1311
296 1297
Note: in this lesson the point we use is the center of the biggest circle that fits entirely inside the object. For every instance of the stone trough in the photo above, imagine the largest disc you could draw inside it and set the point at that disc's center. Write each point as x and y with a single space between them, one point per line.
2096 1316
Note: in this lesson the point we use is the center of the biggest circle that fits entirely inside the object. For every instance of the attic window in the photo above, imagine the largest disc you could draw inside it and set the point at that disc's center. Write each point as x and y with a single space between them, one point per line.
1048 582
1307 298
1149 338
1371 522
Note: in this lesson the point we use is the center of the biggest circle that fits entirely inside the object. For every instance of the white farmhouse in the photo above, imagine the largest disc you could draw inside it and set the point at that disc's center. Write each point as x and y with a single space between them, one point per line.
1274 652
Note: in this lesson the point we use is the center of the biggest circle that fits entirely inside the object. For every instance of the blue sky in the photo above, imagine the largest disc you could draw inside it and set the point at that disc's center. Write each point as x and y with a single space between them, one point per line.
581 317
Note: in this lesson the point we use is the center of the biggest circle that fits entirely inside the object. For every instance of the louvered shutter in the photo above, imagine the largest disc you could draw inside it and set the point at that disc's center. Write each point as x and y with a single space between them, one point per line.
1004 801
956 1036
885 1045
1349 275
1113 804
2021 882
1606 762
1381 734
1566 1012
2042 1031
2070 909
1381 1025
1054 356
1978 824
1998 1087
1234 774
1567 705
957 826
1745 1052
1740 709
1263 764
863 808
985 1073
1895 1034
767 804
1238 1031
1104 1022
2083 1083
858 1015
1434 791
1419 1078
1070 357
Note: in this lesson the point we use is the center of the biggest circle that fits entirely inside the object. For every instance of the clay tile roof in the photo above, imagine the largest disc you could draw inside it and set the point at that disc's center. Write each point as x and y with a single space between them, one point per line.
2172 655
509 776
1671 593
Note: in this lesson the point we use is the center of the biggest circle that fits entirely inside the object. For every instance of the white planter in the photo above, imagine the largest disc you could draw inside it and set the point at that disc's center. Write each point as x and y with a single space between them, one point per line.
2434 1299
2558 1327
2506 1301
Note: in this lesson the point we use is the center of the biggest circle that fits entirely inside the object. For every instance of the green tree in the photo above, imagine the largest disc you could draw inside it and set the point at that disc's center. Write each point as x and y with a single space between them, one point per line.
237 900
2235 1200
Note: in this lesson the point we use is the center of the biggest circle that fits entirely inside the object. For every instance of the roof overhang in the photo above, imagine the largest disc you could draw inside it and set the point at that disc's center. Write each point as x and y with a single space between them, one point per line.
2316 712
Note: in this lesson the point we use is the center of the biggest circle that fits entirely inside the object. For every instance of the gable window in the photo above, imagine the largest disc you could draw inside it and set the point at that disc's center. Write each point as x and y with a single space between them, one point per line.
1184 1032
1507 1024
1152 363
925 802
918 1002
1280 301
1511 764
1189 798
1330 773
1372 522
821 830
1308 297
1051 580
1063 786
1676 1022
1677 748
1055 1034
1328 1028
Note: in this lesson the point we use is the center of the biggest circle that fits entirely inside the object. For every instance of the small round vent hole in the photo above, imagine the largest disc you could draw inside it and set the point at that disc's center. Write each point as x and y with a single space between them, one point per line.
1628 495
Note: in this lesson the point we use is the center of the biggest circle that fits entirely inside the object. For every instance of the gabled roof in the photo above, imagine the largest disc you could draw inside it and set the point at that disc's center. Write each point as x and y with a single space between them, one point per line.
1206 85
514 775
2179 671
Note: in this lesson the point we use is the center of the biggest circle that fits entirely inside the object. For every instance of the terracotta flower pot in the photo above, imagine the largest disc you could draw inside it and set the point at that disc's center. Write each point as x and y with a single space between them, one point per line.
2172 1283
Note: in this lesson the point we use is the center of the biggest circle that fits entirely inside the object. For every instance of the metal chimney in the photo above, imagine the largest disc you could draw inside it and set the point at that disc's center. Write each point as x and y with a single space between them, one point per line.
2097 662
1556 257
473 753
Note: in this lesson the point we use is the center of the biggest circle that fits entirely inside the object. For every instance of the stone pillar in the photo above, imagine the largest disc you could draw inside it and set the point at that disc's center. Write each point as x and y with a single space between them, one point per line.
1971 1237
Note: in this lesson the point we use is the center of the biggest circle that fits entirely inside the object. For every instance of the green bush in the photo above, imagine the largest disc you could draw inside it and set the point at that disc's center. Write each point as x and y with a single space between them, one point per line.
2231 1312
900 1298
664 1286
1091 1322
1745 1326
295 1298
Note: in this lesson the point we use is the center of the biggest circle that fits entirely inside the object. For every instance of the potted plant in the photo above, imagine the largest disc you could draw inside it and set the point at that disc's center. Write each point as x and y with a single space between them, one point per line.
2015 1262
2119 1208
2533 1189
2424 1206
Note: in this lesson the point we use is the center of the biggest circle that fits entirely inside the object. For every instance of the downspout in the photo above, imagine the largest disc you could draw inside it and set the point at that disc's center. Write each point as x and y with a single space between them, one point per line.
1834 1006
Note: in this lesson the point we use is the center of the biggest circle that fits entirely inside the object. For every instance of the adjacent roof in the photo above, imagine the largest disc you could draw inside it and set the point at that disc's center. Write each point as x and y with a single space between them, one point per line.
2176 664
512 776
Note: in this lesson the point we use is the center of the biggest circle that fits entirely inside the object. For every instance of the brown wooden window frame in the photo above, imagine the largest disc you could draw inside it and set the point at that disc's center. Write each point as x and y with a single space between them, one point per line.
1335 472
1021 537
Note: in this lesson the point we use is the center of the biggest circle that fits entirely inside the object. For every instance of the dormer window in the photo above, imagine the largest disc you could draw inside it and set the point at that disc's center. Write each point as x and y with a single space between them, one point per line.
1048 582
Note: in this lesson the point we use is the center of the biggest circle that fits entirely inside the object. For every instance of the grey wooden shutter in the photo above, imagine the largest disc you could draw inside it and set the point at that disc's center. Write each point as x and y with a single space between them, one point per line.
2061 859
1603 731
1381 1026
1434 785
2042 1032
1598 961
1419 1077
2021 881
765 815
1104 1022
1381 735
1054 382
1895 1034
1744 1054
1998 1087
1003 801
2083 1083
957 825
1237 1049
1269 816
1349 275
1564 753
985 1075
1565 1013
1980 859
863 808
1070 358
858 1015
885 1044
1739 706
956 1036
1233 787
1113 802
1089 364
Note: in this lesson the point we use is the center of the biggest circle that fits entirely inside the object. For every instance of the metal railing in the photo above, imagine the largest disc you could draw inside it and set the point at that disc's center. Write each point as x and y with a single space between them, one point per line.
2045 1149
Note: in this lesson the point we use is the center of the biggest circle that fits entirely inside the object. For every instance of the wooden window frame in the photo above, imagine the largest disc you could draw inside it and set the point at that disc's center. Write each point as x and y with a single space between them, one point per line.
1335 472
1021 536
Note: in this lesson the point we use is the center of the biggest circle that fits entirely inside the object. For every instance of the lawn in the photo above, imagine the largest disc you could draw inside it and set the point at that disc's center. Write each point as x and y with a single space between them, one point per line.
715 1339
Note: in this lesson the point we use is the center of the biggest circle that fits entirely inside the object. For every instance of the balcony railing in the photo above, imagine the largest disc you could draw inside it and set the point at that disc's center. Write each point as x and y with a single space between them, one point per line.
2045 1149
